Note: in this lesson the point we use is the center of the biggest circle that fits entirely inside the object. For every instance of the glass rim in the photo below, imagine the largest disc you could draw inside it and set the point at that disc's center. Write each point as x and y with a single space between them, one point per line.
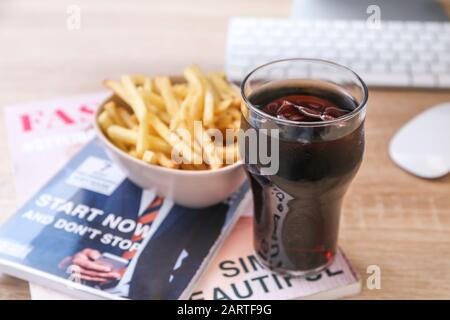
361 106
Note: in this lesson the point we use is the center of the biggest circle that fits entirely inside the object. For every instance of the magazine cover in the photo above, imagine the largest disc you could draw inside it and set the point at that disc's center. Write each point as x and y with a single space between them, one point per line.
92 232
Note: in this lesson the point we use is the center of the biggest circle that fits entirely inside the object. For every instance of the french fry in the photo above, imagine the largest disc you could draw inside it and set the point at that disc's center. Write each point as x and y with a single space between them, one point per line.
234 113
128 136
119 144
133 153
139 107
165 87
224 120
104 121
187 166
180 90
122 134
236 125
209 150
183 114
134 99
173 139
139 79
174 122
229 153
134 119
152 98
148 85
194 76
164 161
187 137
111 108
161 113
117 89
237 102
127 118
160 145
222 86
202 166
165 117
149 157
196 82
223 106
152 130
219 74
209 104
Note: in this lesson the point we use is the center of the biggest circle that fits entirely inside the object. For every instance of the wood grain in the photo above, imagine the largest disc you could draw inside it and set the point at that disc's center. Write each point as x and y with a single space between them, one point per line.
390 218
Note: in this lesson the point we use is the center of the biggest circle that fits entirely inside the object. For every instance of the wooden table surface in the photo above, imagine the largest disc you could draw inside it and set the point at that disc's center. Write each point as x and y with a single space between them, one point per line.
391 219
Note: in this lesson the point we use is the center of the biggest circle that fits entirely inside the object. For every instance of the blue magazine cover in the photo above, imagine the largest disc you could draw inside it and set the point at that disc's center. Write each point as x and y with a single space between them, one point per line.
92 233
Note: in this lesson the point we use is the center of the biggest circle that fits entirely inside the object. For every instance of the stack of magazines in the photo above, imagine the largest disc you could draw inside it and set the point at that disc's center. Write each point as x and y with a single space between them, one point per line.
83 230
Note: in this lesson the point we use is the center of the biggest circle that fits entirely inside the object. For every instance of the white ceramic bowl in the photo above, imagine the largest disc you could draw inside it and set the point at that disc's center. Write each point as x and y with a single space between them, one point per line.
193 189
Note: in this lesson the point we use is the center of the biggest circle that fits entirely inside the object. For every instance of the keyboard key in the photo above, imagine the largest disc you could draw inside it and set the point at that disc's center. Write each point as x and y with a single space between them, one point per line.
320 73
322 45
348 55
362 45
380 45
380 67
277 74
394 26
408 56
342 45
294 73
439 47
433 26
388 56
444 80
359 66
420 67
260 61
424 80
273 53
400 45
399 66
446 27
445 57
369 56
427 37
339 24
342 61
426 57
440 67
382 79
413 26
420 46
328 55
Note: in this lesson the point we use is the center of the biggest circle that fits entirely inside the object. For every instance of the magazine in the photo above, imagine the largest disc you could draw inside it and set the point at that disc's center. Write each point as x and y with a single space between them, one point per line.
217 282
236 273
92 232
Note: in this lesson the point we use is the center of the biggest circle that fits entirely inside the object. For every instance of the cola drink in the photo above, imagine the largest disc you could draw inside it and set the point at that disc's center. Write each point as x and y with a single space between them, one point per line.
321 145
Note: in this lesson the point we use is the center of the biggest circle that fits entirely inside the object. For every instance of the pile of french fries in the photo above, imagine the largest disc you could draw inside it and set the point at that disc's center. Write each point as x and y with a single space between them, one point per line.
174 122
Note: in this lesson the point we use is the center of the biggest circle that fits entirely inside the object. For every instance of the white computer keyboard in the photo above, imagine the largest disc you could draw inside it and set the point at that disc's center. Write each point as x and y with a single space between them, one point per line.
399 54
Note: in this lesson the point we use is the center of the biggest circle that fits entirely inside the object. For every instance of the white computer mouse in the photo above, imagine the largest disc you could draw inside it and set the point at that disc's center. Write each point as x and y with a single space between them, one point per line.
422 146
